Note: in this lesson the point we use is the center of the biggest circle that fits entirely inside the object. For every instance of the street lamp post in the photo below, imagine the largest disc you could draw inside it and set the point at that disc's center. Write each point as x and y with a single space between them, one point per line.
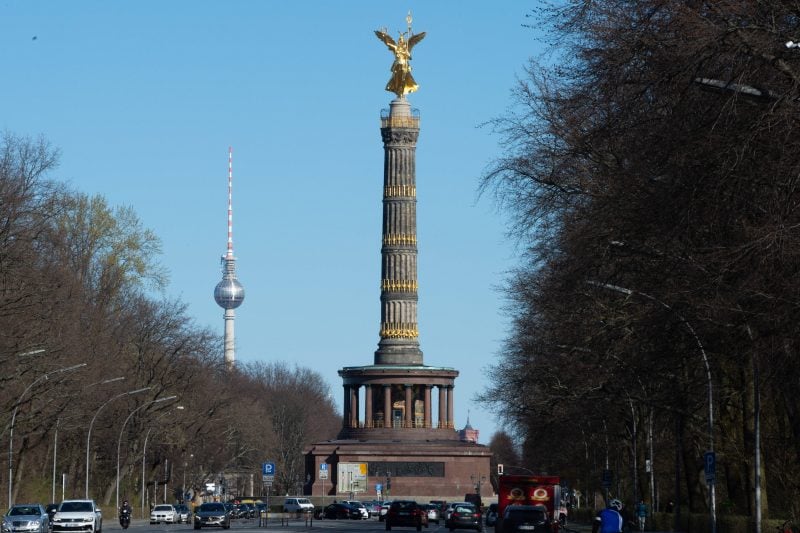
477 480
122 429
14 418
55 435
144 456
89 433
711 482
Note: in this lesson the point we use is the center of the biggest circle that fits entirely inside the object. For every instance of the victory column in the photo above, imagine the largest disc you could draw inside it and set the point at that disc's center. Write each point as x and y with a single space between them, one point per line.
395 434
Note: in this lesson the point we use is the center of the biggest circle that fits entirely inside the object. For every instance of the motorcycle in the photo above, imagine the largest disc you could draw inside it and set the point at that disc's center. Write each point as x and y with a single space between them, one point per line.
125 518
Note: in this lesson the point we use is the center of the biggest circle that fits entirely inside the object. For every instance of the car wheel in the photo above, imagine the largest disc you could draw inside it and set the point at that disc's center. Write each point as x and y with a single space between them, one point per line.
197 525
419 526
388 526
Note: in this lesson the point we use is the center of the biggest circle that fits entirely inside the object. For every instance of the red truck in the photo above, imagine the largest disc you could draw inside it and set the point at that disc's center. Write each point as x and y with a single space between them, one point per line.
529 490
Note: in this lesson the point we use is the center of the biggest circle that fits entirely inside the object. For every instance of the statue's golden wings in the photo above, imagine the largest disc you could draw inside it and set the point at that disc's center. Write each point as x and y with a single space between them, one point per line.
386 38
414 39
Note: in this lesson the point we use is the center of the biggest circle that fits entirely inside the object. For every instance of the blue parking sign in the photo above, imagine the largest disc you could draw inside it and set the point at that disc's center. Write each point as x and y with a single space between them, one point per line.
268 469
710 466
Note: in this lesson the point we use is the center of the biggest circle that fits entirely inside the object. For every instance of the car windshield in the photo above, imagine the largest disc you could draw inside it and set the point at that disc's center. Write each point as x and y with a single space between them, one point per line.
465 508
163 508
23 510
76 507
404 505
212 508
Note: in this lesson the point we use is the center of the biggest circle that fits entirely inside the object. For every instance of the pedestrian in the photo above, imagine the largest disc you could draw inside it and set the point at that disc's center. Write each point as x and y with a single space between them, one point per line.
641 514
609 520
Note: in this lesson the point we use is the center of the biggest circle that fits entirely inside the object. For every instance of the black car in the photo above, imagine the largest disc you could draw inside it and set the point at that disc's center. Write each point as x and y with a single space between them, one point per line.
51 511
338 511
465 516
212 514
491 514
528 518
406 513
233 512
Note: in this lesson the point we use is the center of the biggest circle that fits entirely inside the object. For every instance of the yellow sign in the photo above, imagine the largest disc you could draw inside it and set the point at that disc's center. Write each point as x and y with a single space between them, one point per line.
351 477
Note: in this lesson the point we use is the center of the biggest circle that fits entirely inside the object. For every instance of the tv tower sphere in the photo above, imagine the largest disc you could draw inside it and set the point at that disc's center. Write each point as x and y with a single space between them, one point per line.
229 293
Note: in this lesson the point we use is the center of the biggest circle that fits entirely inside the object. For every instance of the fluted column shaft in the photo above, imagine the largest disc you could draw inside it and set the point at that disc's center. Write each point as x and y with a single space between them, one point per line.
442 407
409 406
399 332
387 406
427 401
368 423
346 403
450 421
354 406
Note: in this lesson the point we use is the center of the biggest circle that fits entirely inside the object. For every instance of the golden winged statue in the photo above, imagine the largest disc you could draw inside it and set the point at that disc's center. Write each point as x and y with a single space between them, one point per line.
401 82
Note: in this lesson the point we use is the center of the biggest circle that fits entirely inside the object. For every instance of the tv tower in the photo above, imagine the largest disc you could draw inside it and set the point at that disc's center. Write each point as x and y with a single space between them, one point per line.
229 293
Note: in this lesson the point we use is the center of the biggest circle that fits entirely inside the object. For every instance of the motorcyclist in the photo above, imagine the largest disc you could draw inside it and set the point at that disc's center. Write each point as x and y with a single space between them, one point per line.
609 520
125 508
125 512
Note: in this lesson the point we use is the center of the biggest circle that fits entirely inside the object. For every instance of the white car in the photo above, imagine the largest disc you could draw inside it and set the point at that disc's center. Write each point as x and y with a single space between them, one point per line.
164 512
78 515
384 509
298 505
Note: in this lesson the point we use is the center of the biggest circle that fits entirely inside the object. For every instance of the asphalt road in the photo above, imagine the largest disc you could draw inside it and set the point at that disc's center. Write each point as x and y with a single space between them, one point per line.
274 525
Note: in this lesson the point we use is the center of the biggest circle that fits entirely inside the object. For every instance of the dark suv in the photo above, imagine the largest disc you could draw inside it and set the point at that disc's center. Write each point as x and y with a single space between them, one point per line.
406 513
464 516
527 518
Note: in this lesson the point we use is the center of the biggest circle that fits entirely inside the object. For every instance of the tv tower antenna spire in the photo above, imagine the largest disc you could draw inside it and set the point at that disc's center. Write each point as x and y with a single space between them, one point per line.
229 293
229 253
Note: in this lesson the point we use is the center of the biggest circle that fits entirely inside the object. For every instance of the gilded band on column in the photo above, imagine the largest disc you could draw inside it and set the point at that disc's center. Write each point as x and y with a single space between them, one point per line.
394 330
400 122
393 191
399 238
395 285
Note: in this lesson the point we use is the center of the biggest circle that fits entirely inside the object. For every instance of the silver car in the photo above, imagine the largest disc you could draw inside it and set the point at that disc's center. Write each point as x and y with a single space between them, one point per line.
26 517
184 513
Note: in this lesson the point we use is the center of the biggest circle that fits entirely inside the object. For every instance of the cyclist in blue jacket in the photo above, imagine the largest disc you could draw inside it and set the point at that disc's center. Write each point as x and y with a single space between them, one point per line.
609 520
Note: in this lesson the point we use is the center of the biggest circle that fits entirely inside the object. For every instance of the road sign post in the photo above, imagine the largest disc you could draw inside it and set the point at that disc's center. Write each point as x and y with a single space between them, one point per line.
323 475
710 467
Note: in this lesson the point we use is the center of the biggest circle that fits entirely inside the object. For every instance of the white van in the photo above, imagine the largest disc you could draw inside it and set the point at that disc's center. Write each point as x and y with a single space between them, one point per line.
297 505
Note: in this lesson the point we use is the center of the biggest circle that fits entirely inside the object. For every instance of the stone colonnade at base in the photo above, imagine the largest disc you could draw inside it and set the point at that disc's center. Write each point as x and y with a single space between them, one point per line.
380 399
392 397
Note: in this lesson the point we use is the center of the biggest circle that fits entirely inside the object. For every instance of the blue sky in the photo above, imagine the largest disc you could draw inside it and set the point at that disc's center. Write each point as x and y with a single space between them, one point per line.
143 99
